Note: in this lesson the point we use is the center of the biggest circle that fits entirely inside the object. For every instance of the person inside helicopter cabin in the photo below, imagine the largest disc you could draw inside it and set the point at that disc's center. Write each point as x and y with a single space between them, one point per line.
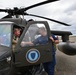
43 39
16 35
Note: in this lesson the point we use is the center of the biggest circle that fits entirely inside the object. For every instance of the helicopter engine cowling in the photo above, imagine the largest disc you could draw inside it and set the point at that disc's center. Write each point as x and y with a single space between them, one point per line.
67 48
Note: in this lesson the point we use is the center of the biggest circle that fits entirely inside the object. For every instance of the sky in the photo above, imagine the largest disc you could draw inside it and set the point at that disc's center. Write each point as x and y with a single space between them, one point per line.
62 10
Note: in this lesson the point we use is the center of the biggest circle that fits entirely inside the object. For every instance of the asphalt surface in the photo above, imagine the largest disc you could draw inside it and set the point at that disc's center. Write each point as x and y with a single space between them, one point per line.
65 65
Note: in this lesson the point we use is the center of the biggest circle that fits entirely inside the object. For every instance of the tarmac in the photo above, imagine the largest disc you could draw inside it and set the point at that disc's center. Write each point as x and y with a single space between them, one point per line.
65 64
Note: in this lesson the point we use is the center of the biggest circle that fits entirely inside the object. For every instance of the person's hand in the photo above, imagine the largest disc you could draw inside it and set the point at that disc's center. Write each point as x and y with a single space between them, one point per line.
26 43
51 38
22 44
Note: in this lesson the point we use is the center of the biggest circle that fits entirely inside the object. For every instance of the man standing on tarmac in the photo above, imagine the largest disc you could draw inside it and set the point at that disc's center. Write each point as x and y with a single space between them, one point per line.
49 66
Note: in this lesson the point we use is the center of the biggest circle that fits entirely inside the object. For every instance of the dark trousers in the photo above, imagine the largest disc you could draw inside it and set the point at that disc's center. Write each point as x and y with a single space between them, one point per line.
49 66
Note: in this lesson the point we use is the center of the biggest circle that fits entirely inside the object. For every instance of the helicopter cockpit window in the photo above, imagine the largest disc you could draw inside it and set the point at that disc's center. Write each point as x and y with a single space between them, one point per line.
35 35
5 35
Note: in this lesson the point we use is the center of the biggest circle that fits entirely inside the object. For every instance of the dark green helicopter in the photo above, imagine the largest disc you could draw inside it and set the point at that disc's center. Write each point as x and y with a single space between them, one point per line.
25 60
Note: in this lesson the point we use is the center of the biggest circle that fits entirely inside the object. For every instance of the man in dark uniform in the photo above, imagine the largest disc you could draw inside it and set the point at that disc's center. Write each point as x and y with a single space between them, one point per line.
43 39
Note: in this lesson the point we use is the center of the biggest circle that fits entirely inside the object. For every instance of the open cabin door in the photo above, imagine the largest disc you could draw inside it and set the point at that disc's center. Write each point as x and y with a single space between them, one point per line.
27 54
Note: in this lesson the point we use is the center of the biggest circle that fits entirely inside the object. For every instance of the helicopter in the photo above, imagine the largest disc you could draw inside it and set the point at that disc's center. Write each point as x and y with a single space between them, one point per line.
20 60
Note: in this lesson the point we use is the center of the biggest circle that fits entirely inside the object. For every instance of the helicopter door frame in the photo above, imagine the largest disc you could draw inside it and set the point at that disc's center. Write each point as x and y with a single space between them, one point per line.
21 58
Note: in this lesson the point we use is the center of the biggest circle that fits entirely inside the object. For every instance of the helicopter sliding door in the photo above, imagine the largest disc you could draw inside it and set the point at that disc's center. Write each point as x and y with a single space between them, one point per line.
31 52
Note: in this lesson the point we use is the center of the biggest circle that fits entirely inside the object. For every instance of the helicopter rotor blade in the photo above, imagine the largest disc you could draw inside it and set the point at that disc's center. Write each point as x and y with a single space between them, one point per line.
17 11
3 10
8 11
38 4
48 19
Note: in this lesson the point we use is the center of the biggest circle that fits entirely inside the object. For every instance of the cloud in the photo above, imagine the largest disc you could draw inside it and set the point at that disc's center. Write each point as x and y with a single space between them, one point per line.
72 7
62 10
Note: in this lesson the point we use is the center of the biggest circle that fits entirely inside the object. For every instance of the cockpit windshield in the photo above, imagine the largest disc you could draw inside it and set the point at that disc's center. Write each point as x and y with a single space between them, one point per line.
5 34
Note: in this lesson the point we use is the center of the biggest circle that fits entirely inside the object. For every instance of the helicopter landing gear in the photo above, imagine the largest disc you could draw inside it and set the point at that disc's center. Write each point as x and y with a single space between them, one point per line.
31 70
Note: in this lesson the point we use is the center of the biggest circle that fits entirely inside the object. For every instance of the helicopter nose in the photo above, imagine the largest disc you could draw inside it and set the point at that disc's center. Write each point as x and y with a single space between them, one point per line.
67 48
